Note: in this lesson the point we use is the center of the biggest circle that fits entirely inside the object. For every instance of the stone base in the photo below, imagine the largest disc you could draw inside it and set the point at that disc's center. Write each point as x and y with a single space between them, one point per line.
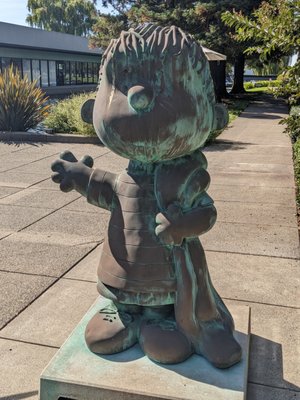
76 373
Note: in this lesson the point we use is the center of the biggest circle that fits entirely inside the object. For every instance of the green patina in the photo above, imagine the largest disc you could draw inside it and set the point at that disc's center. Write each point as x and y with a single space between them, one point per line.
156 106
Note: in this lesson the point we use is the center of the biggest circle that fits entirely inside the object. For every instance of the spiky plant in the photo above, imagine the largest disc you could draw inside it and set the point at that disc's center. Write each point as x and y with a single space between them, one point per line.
22 104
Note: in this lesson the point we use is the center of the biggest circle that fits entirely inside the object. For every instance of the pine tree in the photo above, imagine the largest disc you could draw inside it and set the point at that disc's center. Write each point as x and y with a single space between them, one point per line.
202 19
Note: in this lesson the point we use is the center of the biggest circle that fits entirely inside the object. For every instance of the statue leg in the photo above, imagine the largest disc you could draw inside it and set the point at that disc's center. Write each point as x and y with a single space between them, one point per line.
159 337
113 329
217 344
215 340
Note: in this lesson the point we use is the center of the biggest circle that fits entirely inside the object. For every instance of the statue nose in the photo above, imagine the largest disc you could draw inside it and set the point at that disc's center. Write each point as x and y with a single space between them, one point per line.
140 98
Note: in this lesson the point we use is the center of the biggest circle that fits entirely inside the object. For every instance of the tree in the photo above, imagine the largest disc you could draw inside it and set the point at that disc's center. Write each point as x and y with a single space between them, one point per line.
202 19
274 29
69 16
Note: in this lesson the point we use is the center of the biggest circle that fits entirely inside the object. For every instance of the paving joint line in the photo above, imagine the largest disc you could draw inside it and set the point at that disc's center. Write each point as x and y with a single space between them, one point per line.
9 234
262 303
29 342
47 215
255 186
41 159
260 224
29 274
252 254
248 202
52 284
78 280
26 206
28 163
274 387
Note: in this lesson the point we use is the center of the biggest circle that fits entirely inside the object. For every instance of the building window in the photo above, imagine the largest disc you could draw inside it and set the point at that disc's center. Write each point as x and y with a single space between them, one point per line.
78 72
44 73
73 72
60 73
90 73
5 63
36 71
67 73
26 64
52 73
16 62
96 72
84 73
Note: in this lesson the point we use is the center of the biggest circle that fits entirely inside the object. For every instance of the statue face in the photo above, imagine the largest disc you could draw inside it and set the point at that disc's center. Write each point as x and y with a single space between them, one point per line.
152 109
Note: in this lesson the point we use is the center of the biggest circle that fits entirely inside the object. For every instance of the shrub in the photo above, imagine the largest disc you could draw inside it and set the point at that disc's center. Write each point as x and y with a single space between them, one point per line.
289 84
22 104
65 116
257 84
296 154
293 123
293 129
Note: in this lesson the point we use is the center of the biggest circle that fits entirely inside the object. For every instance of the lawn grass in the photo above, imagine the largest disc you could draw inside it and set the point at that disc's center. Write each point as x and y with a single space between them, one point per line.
235 106
264 89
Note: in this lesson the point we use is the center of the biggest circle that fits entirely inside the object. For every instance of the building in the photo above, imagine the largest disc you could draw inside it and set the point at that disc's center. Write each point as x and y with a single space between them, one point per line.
64 64
61 63
217 64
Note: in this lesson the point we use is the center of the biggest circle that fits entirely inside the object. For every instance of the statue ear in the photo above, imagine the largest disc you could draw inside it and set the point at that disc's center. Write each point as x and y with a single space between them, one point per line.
87 111
221 117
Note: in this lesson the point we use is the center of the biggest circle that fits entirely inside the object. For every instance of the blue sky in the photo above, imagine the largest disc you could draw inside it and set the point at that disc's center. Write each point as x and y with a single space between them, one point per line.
14 11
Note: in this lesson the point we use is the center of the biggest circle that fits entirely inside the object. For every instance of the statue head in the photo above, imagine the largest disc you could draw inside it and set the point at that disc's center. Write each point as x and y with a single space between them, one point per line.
155 99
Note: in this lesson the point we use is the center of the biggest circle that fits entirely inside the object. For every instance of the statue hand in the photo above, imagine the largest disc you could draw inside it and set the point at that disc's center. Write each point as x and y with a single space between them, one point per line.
71 173
168 228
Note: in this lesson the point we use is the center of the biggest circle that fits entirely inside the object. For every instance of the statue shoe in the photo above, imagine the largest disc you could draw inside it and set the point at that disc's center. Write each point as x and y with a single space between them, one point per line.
163 343
217 344
111 330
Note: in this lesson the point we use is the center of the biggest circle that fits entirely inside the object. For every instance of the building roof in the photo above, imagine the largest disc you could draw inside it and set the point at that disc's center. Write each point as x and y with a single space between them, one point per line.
212 55
12 35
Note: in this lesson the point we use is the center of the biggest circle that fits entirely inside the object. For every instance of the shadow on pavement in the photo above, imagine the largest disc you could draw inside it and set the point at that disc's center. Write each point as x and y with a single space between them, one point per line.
18 143
222 145
266 364
19 396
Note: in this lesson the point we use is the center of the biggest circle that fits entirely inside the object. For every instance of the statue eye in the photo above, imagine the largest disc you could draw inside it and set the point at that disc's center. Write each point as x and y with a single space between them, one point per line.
127 70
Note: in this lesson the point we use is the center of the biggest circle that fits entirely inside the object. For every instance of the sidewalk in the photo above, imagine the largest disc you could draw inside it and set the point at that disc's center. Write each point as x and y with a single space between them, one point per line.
49 244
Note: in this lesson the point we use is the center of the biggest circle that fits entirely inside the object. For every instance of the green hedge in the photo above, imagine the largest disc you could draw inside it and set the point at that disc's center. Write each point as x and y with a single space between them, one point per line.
257 84
296 153
65 116
293 129
293 123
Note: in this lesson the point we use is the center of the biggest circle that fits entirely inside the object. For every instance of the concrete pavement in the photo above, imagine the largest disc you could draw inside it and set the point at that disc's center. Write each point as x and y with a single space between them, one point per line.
49 243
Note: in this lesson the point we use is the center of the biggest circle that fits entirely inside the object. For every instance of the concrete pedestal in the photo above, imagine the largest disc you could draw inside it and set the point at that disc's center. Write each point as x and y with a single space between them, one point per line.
76 373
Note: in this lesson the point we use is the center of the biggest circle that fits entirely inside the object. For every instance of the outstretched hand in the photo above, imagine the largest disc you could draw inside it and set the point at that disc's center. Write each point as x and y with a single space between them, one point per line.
71 173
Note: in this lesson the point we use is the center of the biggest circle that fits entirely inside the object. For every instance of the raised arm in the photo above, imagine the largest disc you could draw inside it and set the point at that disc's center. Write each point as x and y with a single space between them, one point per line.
96 185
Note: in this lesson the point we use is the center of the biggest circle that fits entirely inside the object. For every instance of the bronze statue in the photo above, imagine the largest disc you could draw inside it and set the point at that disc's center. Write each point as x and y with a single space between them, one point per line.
155 105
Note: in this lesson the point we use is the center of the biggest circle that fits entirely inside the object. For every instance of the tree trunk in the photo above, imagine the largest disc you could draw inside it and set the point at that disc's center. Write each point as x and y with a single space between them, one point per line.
238 81
218 74
222 91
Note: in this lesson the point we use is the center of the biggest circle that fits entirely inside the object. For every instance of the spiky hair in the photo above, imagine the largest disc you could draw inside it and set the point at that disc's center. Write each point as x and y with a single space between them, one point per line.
153 40
150 38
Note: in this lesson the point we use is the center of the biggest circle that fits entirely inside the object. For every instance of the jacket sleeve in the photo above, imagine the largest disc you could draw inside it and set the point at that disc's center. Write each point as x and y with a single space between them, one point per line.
100 190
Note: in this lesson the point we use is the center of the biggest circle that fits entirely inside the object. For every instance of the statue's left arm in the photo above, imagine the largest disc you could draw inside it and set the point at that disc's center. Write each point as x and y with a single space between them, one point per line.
175 225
